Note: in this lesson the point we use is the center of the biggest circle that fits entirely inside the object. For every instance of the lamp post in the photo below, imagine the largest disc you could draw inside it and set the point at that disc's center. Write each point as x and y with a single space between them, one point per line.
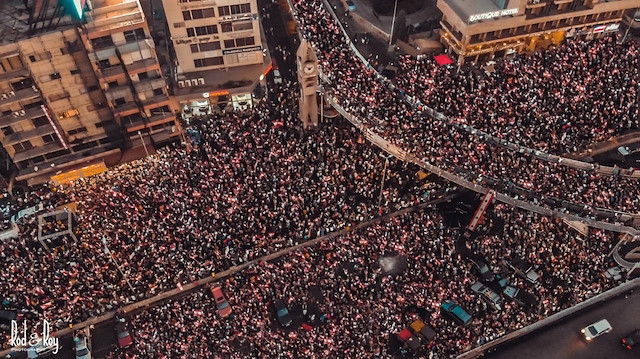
636 17
108 252
143 143
393 22
384 176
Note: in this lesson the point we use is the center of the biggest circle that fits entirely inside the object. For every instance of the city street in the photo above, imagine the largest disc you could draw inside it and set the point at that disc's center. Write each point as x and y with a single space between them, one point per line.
564 341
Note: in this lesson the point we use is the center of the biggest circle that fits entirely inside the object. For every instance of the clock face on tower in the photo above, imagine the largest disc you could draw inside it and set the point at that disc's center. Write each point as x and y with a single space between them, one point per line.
308 68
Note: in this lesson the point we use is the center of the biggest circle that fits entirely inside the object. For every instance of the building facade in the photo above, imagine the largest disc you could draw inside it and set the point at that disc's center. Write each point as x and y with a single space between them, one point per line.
218 48
63 109
478 30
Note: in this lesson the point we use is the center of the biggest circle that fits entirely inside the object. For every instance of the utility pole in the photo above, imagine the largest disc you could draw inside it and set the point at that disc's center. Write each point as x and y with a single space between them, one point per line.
384 177
393 22
108 251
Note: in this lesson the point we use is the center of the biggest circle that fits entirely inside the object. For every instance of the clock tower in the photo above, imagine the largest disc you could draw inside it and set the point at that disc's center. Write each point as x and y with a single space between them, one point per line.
308 80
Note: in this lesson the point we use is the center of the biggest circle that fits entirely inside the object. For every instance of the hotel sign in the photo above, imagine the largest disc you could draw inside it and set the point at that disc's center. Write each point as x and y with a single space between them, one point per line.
239 51
492 14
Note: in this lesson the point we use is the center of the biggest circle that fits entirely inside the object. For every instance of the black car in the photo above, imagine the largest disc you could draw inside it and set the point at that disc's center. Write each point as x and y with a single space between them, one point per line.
282 312
631 340
482 270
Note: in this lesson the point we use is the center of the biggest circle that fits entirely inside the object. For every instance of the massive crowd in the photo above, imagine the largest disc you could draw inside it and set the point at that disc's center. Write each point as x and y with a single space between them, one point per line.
385 111
559 100
256 183
364 307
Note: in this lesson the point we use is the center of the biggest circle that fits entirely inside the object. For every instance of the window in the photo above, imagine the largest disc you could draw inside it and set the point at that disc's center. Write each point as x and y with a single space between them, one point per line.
32 58
119 101
239 26
134 35
40 121
191 32
104 64
210 46
208 12
229 44
101 42
48 138
206 30
143 76
158 92
197 14
113 83
226 27
240 9
77 131
186 15
55 75
208 61
224 11
75 72
22 146
103 123
194 48
245 41
7 130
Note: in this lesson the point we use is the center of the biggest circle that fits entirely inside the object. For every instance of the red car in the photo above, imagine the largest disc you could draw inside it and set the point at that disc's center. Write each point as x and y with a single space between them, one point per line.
224 309
124 338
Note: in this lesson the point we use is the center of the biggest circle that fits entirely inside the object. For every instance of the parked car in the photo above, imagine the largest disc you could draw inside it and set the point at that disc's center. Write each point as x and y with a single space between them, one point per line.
277 77
522 297
82 347
455 312
614 273
282 312
596 329
351 5
631 340
409 339
422 330
41 351
482 270
124 338
224 309
489 296
525 270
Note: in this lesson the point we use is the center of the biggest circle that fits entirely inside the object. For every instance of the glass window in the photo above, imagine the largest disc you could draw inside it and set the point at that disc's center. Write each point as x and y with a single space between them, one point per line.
229 44
194 48
226 27
209 46
224 11
186 15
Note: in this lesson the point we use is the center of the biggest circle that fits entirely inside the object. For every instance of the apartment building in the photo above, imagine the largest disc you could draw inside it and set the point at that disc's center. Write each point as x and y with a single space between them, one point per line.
219 51
65 113
478 30
122 53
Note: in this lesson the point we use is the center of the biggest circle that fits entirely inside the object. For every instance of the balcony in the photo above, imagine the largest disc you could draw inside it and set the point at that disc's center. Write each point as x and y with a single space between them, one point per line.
29 114
109 51
116 71
15 74
159 119
156 101
128 108
37 151
14 96
25 135
150 84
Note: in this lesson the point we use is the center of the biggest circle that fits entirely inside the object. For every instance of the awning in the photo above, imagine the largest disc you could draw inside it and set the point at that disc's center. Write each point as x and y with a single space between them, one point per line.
443 60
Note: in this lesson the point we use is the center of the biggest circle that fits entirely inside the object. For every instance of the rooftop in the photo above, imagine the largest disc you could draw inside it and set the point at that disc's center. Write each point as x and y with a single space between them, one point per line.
19 22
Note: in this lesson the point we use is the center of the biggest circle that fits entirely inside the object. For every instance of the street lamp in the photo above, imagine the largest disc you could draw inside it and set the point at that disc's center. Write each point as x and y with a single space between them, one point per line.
108 252
636 17
393 22
384 176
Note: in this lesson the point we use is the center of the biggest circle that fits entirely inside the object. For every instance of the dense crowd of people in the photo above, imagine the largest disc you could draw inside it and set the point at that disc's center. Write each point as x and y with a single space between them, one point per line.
251 183
365 307
559 100
256 183
386 112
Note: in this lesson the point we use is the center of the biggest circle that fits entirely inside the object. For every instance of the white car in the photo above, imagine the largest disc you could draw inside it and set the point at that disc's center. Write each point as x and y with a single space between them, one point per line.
277 78
596 329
